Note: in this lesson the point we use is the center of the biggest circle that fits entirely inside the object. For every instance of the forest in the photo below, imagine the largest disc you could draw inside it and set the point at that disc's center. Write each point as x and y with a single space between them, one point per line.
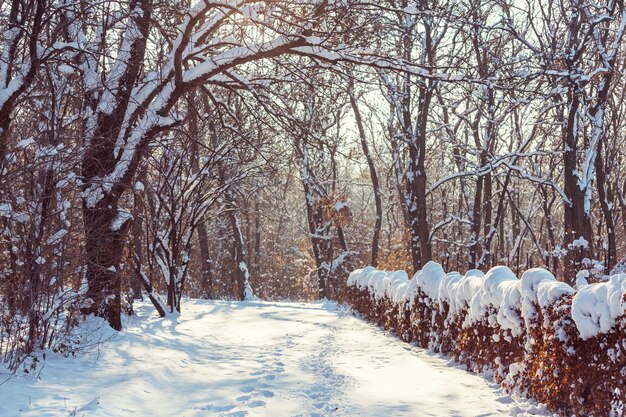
235 149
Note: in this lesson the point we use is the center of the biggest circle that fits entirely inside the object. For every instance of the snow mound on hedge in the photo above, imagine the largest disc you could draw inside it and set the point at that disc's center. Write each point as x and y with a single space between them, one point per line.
595 307
429 278
380 284
540 288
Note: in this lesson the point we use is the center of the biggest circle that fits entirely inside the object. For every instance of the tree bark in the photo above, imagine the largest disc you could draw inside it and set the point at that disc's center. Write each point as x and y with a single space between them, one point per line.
373 175
606 201
239 245
576 221
206 271
104 246
138 229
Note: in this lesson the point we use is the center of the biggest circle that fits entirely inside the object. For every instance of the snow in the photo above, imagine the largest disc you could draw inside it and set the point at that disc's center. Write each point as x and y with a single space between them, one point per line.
5 209
498 283
248 294
14 85
392 285
449 287
581 278
56 238
340 205
251 359
581 242
122 217
461 294
550 291
24 143
595 307
539 287
428 279
500 289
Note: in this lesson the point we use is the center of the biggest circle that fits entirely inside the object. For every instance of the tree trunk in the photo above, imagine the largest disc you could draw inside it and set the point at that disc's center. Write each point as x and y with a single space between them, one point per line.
318 225
257 240
138 229
206 274
104 249
606 201
206 271
104 243
244 287
373 175
476 221
577 223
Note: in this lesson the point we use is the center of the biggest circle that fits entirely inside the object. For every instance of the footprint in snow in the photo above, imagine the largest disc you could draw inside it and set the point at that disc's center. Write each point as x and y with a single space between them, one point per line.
216 408
248 401
235 414
253 394
280 367
315 395
91 405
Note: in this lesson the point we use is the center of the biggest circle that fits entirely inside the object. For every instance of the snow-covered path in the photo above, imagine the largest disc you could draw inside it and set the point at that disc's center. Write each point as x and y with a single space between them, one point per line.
253 359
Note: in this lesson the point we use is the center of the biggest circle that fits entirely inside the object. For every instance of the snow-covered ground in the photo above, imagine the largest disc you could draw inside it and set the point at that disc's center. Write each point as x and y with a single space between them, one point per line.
252 359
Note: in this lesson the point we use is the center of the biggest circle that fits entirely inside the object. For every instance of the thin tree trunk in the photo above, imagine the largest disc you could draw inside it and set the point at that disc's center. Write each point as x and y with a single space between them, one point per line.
243 276
138 230
257 239
206 271
606 201
577 223
373 175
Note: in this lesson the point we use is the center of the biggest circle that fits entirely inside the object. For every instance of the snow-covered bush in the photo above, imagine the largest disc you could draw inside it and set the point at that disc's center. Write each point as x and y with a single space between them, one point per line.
536 335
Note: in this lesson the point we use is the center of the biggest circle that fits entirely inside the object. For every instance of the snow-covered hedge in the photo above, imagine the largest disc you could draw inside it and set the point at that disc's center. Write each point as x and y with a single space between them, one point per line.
564 347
